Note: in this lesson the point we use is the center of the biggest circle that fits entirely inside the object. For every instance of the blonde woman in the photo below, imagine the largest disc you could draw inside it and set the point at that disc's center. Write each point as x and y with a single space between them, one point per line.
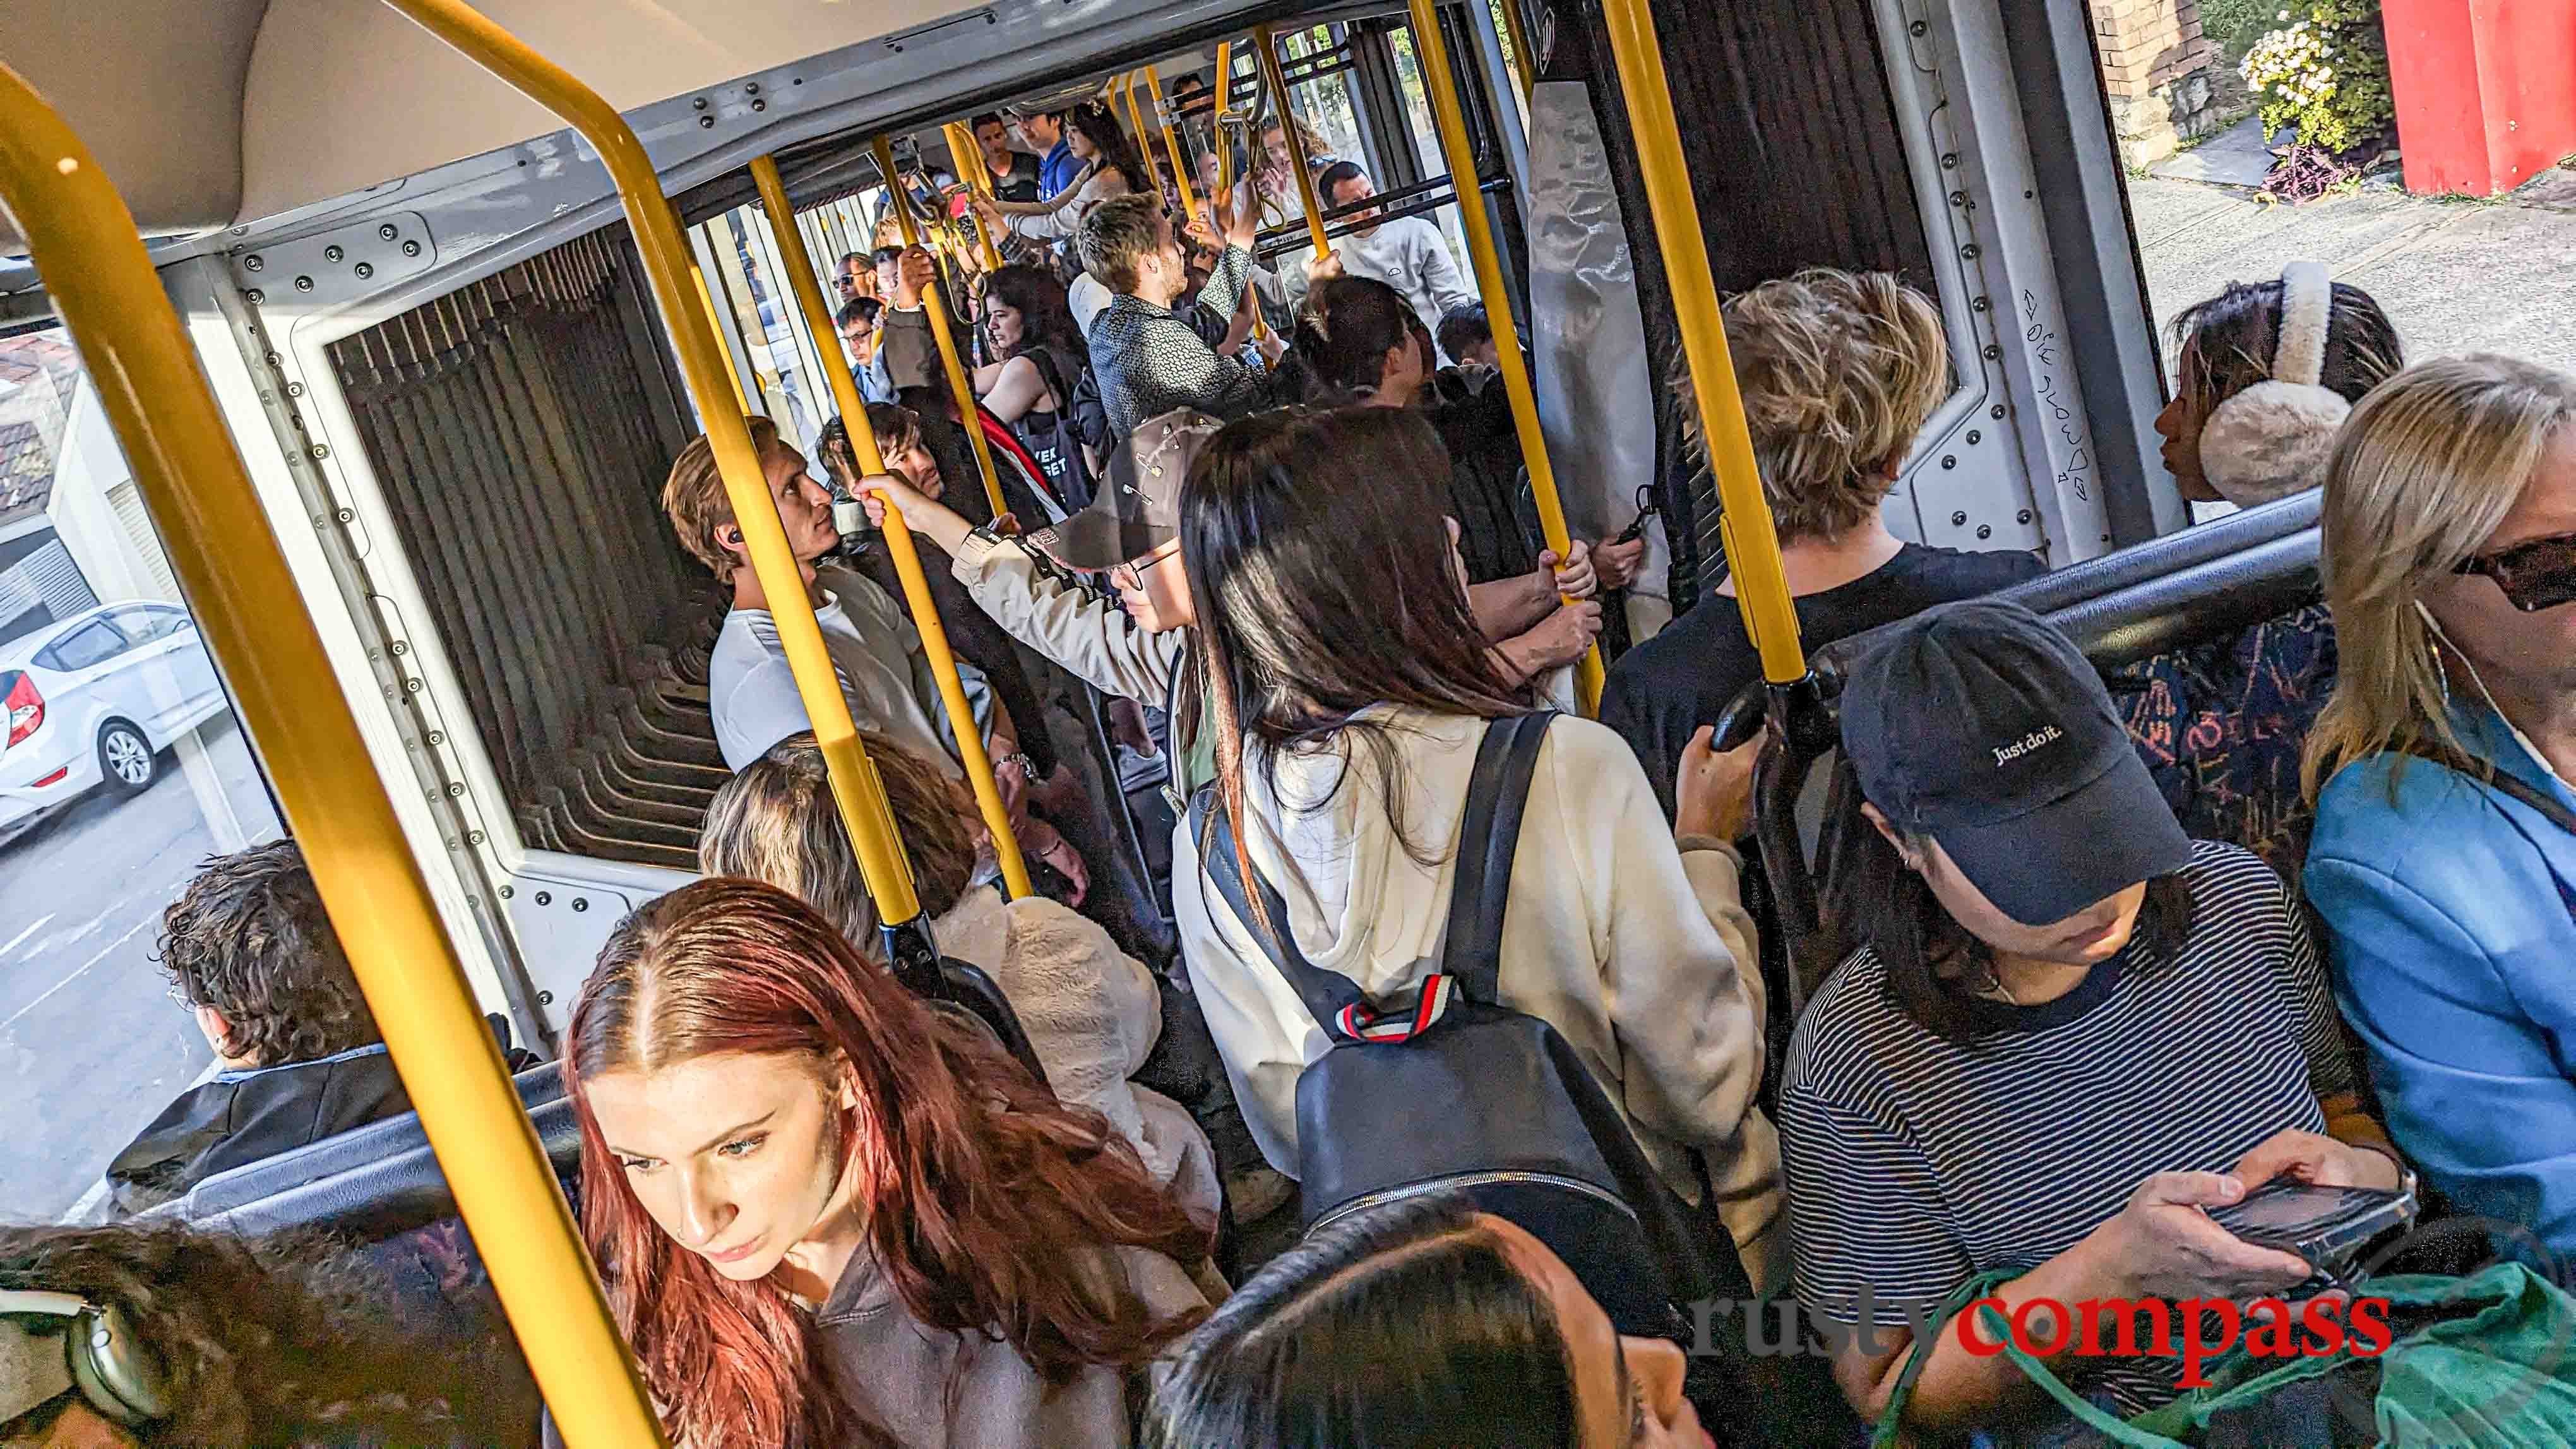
1839 371
2448 884
1091 1011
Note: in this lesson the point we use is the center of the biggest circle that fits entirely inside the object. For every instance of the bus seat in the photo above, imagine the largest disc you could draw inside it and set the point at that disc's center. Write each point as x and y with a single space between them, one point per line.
333 1157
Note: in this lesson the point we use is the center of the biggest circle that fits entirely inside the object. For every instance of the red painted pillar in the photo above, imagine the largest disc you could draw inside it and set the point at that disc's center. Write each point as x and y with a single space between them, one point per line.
2485 90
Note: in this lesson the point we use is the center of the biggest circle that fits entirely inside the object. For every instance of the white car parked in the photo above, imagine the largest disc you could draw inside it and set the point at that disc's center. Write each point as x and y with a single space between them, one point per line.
94 700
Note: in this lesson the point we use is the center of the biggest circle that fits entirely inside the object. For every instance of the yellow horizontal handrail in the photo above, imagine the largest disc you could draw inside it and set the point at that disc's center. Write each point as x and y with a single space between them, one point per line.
1432 54
245 598
899 546
1745 527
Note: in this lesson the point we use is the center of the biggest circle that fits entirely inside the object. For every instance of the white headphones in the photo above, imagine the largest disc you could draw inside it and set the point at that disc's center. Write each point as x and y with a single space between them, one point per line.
92 1349
2274 438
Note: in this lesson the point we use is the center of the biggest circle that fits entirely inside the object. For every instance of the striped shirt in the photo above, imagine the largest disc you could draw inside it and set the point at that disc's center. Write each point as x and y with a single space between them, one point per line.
1915 1161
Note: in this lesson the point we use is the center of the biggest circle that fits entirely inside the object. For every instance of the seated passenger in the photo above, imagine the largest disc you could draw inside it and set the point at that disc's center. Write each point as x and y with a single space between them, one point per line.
2061 1030
241 1342
2222 722
826 1215
1090 1010
1838 372
2264 373
249 950
2449 890
1420 1325
1146 360
1351 689
1359 338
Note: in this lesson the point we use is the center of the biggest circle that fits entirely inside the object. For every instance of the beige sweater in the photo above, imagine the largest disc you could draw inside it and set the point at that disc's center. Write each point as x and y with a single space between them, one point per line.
1639 952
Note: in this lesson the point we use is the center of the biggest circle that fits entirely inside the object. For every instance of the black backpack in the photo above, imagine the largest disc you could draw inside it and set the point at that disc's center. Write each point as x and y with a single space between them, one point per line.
1455 1092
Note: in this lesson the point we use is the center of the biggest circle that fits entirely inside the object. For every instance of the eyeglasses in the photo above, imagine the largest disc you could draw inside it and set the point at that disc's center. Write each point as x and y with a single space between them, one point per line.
1131 574
2536 574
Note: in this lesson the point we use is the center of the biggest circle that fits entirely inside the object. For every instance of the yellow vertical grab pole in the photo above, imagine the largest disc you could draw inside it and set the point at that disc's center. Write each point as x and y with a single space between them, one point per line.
979 180
1289 127
707 304
1225 161
1752 547
899 545
1125 85
84 244
855 786
1441 85
1171 142
937 302
1523 63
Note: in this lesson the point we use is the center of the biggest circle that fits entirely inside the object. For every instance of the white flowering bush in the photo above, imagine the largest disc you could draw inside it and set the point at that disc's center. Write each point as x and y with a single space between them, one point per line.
2326 72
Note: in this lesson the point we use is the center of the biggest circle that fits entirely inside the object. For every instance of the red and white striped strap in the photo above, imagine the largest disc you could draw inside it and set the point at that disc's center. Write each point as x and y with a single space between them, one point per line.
1363 1023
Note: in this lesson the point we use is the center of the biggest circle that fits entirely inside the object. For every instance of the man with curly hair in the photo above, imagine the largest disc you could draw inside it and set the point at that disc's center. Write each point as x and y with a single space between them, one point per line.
249 950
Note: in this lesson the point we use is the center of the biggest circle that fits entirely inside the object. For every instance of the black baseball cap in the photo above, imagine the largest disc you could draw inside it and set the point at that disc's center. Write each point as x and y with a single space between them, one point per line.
1138 507
1981 726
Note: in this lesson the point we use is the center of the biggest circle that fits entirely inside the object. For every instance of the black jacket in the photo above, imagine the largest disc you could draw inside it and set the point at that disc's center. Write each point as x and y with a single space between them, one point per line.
244 1117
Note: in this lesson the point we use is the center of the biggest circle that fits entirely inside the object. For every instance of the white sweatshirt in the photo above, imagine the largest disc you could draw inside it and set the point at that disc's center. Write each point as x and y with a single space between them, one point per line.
1640 953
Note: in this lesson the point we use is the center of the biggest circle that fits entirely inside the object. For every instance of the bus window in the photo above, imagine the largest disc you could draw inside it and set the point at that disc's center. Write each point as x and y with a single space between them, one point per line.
122 769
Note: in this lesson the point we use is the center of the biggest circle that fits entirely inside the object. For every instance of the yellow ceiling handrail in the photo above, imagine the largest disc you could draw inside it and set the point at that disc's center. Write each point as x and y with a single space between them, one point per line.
1432 54
971 753
856 790
1752 545
238 584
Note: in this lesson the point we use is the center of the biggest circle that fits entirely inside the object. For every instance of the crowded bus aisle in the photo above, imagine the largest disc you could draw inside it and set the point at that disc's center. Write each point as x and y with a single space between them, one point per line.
1333 1036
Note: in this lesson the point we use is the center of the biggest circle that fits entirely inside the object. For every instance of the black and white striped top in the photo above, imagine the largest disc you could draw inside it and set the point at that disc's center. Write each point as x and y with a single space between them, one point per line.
1915 1161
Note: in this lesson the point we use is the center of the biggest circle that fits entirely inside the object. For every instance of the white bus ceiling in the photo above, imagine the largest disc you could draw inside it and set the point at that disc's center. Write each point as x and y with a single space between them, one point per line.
210 113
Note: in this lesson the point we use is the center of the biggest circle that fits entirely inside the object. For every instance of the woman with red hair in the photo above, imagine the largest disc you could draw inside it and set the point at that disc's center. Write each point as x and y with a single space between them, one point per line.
827 1216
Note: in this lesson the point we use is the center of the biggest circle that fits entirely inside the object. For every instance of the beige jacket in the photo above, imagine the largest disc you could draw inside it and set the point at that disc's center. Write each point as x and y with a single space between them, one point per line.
1639 952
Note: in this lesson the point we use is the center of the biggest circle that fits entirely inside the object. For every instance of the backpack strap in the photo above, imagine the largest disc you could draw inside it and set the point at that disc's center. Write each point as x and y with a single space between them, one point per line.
1334 1000
1489 836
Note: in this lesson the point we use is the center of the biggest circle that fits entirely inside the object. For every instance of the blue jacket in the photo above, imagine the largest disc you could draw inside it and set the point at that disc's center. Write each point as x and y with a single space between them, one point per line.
1057 171
2451 912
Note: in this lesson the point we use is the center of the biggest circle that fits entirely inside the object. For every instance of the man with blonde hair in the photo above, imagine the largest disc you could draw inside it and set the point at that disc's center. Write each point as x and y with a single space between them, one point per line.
1838 371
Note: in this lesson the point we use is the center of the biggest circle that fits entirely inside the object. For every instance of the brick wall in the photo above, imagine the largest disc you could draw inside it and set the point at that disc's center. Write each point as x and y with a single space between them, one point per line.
2155 65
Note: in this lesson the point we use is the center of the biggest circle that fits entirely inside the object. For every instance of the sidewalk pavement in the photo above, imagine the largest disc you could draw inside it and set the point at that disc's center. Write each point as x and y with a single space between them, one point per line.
2455 276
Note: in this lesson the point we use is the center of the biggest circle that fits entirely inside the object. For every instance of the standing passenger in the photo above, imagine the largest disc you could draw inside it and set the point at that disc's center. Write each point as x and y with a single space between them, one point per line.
1838 372
828 1216
1042 132
1351 689
1014 172
1111 168
1146 360
2449 889
1407 253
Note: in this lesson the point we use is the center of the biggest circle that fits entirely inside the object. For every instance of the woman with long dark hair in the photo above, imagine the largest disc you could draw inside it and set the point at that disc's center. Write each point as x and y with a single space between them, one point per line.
2061 1029
1111 167
828 1216
1349 689
1043 356
1420 1325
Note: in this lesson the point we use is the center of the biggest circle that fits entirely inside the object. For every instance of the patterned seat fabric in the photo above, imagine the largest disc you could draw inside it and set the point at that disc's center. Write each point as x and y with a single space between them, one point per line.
2222 724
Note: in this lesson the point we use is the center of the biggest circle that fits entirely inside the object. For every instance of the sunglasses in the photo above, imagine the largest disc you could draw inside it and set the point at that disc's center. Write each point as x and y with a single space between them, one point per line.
2536 574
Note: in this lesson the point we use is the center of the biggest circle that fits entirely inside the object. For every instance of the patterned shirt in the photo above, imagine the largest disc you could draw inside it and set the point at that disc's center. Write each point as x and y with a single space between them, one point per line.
1915 1160
1148 360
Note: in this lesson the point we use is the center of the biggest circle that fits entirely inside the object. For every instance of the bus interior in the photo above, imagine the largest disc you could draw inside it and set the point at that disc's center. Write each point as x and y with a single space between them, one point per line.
420 307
